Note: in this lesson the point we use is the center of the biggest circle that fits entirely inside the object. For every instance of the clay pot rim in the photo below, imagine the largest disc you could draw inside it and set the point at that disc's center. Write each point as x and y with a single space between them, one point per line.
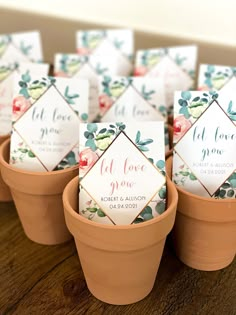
206 199
5 136
21 171
77 216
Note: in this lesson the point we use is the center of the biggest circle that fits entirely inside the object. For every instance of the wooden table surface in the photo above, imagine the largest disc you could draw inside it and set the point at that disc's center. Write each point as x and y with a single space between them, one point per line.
45 280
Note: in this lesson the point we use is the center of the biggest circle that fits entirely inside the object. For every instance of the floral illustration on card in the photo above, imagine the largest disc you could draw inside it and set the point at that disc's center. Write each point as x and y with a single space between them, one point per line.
88 41
6 40
44 105
116 44
139 98
205 122
213 77
188 109
148 59
18 47
228 189
6 70
97 142
174 65
183 175
70 65
31 90
92 209
20 153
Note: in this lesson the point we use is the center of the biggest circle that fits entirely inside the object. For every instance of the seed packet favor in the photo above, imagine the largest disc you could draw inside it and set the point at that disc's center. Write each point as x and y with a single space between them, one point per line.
217 78
7 74
47 113
21 47
131 98
204 161
91 67
118 43
175 65
122 172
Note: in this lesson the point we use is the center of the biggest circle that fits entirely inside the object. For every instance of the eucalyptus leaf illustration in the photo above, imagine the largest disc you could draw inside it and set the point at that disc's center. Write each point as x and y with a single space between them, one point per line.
147 94
142 144
179 60
70 97
21 153
24 48
184 174
93 210
100 70
146 214
231 112
118 43
68 161
160 207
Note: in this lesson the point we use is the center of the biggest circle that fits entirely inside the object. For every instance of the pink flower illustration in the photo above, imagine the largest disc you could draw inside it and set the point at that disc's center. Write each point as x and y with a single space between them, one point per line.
88 203
140 71
83 51
203 88
181 126
20 105
104 103
87 158
61 74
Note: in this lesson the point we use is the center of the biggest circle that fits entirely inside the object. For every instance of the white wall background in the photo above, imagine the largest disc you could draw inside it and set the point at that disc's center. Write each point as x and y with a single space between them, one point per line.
206 20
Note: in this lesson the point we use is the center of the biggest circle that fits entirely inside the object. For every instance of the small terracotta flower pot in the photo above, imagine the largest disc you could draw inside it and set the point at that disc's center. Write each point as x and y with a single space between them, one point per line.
120 263
204 233
5 194
38 199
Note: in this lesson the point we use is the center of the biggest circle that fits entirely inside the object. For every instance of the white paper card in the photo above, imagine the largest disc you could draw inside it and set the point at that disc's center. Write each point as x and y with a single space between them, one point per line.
91 67
175 65
7 74
21 47
204 160
122 157
117 43
216 77
47 113
131 99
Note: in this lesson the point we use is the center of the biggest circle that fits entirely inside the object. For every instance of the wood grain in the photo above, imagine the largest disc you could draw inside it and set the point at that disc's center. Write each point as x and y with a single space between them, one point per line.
48 280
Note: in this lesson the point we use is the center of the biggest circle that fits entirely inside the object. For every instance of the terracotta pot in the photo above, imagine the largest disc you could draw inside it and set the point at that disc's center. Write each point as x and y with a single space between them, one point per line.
170 151
204 233
5 194
120 263
38 199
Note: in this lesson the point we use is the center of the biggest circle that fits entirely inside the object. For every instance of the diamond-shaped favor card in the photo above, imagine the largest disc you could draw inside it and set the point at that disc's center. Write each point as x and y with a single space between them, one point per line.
91 67
204 161
131 99
216 77
122 172
7 74
175 65
21 47
47 113
118 43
